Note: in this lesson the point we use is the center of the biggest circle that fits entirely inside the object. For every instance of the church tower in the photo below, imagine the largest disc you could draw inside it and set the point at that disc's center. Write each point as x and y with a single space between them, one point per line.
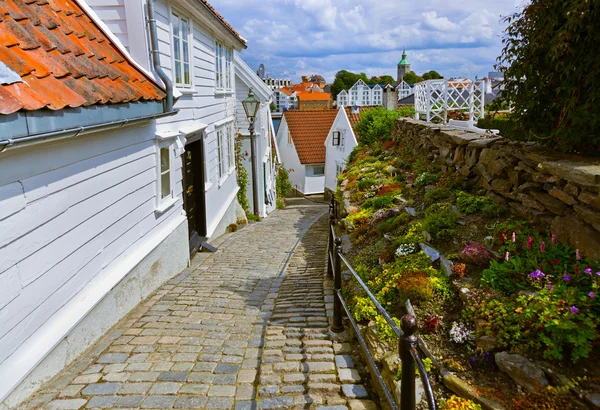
403 67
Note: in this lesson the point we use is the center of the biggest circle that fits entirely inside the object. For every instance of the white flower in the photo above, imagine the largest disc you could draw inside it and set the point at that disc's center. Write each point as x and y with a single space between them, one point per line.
459 333
405 249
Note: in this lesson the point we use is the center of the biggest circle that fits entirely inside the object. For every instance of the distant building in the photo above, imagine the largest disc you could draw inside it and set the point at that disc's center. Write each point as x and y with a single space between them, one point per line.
362 94
285 99
313 101
275 83
403 67
261 71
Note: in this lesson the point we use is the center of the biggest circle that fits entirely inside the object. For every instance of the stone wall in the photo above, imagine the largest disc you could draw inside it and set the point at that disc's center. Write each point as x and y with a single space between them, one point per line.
556 192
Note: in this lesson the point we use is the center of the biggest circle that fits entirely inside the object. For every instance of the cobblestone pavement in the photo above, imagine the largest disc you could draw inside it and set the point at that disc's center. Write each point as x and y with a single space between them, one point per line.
243 328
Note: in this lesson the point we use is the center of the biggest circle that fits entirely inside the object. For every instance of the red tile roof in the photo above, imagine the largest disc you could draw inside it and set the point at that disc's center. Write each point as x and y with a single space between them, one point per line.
217 15
313 96
309 129
64 60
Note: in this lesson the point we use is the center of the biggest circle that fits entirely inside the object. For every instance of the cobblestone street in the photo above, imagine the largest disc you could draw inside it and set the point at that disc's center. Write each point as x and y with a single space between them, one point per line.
243 328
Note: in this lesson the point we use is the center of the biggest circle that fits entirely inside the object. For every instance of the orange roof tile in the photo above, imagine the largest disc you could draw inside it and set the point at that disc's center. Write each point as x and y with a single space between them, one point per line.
286 91
217 15
64 60
314 96
309 129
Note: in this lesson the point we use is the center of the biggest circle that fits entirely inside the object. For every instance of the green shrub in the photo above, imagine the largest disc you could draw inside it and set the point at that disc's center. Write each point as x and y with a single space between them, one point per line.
382 202
283 186
440 220
427 179
376 124
438 194
365 184
505 124
469 204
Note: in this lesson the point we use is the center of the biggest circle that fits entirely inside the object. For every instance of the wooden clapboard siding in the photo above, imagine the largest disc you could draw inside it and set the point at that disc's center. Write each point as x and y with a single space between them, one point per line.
112 13
67 211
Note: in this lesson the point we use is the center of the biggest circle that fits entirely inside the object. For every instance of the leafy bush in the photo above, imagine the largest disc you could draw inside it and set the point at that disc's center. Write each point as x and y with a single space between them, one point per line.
376 124
469 204
438 194
475 253
440 220
283 186
427 179
382 202
459 403
550 76
365 184
507 126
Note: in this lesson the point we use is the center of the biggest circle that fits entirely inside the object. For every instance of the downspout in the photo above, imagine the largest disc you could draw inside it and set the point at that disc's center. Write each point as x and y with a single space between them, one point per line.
156 56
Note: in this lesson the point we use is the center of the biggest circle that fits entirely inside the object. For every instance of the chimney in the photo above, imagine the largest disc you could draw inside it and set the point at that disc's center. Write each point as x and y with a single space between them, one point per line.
304 79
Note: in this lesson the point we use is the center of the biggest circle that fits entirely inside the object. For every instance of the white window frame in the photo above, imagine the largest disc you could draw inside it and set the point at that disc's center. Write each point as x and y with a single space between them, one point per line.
318 175
339 168
336 138
223 68
188 38
164 203
225 151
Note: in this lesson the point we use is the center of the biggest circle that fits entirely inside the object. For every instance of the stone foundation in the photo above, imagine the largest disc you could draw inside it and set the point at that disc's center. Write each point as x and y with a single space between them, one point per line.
556 192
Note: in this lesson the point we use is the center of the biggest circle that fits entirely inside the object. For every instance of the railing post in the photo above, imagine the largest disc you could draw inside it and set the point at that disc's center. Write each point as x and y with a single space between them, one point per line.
408 340
331 238
338 325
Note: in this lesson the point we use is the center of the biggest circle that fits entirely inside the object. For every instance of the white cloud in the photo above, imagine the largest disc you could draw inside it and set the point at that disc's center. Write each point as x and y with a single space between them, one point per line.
295 37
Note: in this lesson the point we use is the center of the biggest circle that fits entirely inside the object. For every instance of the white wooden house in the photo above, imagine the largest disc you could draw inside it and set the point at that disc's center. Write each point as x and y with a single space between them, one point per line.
266 150
196 49
110 203
339 143
91 218
342 98
300 138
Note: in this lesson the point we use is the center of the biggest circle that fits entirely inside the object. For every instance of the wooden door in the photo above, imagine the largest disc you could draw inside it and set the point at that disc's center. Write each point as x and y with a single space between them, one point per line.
193 193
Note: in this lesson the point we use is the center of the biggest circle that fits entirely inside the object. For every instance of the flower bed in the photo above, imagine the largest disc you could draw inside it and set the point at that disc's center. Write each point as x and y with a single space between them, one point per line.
481 280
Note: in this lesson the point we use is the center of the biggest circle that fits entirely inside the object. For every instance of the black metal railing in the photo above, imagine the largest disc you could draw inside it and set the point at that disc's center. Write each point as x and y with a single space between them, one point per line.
408 340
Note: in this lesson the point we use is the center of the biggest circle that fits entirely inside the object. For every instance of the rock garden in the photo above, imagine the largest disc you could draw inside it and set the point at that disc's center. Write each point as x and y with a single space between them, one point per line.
496 246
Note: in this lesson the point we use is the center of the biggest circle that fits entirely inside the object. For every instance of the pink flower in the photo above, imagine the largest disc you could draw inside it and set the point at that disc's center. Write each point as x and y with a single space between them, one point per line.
553 239
506 256
514 237
577 255
543 247
591 295
588 271
567 278
530 243
550 287
574 310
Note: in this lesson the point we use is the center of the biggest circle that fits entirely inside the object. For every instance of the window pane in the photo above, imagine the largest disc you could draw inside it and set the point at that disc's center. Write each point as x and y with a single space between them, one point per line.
175 23
165 185
186 52
176 48
177 72
164 160
184 29
186 74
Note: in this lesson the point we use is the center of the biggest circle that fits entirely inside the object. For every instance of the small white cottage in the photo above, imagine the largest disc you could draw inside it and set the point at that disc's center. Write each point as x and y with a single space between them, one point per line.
340 142
265 146
300 138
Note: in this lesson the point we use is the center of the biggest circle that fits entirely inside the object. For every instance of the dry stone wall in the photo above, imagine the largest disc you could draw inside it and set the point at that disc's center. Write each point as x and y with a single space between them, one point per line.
558 193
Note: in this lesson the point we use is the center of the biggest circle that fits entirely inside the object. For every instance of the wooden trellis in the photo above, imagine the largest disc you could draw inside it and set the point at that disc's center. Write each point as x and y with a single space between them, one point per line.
434 99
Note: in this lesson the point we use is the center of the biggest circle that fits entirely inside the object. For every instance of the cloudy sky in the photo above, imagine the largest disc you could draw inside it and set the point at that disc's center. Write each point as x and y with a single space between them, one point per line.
302 37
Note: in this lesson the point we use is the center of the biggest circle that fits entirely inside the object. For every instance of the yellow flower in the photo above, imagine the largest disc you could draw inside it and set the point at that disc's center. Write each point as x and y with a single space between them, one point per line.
519 310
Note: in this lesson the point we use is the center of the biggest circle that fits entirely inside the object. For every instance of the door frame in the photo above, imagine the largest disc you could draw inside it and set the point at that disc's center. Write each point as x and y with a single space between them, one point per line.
195 144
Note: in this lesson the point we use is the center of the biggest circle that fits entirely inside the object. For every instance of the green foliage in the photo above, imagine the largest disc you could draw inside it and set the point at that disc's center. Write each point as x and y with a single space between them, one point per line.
412 78
431 75
252 217
273 107
506 124
459 403
242 175
283 186
469 204
376 124
380 202
440 221
427 179
344 80
550 76
438 194
365 184
280 203
383 80
407 111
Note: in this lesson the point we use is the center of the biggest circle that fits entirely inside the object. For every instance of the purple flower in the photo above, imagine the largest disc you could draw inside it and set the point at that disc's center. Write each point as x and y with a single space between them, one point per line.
543 247
514 237
588 271
473 359
567 278
550 287
537 274
553 239
574 310
506 256
592 295
598 273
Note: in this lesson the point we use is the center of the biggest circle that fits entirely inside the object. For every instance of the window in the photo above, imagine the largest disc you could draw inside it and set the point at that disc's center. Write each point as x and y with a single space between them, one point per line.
165 173
336 138
225 150
318 170
164 176
223 64
181 50
339 169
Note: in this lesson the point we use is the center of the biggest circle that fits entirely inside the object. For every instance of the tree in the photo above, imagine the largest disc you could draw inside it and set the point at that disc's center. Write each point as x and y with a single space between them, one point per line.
344 80
384 79
376 124
552 73
273 107
412 78
431 75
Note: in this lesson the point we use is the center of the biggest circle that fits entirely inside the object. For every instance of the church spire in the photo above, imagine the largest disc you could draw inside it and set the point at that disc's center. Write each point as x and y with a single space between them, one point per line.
404 61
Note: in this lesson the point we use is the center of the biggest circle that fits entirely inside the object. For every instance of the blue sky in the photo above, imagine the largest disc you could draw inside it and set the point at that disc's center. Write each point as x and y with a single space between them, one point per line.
302 37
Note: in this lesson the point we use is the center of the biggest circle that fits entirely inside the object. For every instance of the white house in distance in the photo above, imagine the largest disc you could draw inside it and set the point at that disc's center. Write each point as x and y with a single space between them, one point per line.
91 217
195 48
285 99
266 150
300 139
92 223
339 143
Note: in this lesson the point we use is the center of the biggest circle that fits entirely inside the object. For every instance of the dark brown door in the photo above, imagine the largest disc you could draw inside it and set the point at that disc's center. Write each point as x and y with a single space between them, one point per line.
193 193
